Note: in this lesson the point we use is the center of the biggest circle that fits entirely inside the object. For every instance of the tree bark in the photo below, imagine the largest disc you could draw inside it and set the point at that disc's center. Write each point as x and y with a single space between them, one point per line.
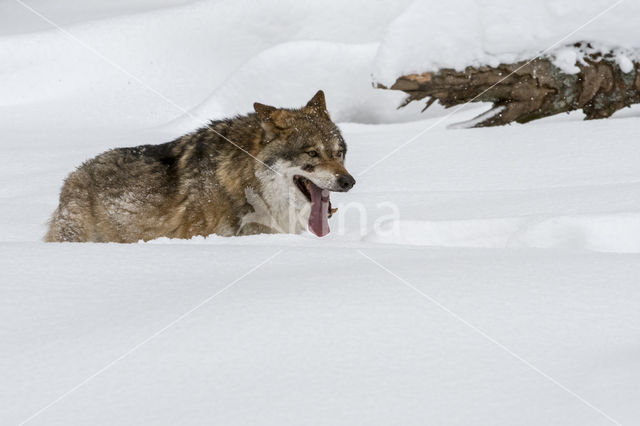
529 90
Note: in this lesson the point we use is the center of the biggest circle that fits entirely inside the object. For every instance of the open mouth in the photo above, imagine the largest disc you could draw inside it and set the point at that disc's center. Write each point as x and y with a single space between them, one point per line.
321 209
303 185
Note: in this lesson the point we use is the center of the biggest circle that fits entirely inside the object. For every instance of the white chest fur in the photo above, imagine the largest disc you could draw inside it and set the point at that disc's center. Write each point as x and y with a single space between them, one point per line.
278 204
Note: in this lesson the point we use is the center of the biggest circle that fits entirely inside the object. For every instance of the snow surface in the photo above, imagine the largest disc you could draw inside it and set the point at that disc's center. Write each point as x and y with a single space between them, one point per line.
434 34
505 290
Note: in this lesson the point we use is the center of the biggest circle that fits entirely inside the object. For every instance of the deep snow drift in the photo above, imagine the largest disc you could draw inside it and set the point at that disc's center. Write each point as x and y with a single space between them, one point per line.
473 277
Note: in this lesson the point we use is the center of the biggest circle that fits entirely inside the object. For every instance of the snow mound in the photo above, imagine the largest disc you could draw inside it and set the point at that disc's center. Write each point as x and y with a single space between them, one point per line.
177 57
617 233
288 74
432 34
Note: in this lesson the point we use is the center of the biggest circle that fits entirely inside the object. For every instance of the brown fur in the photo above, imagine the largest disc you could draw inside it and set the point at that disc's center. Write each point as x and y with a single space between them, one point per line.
200 183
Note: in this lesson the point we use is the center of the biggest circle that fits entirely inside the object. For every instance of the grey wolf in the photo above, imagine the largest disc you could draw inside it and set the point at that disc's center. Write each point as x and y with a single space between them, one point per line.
270 171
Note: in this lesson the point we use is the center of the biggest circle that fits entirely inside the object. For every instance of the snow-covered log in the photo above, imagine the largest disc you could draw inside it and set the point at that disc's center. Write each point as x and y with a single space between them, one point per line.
528 90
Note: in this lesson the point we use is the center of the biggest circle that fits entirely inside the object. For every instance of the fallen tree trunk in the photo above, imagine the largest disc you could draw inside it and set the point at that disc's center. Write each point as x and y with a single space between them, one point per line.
529 90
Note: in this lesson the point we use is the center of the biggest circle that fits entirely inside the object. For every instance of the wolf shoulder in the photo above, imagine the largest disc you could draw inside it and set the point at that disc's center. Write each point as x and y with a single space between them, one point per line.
149 165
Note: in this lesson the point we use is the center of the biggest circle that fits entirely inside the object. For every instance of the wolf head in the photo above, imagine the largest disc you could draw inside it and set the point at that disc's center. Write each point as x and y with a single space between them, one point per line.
307 151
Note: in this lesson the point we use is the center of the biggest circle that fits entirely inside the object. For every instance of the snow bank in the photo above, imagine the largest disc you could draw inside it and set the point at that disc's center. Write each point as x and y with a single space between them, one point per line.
221 55
614 233
433 34
288 74
213 58
16 19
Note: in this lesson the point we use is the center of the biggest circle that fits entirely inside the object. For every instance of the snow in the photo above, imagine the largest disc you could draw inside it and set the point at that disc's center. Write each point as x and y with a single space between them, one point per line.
460 33
323 65
475 276
183 53
617 233
625 64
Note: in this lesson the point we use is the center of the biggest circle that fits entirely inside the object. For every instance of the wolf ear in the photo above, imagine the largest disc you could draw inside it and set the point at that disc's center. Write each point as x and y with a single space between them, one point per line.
318 101
317 105
280 118
263 111
273 117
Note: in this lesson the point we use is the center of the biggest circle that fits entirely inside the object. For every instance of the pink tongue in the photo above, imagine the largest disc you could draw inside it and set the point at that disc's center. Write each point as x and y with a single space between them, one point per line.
319 218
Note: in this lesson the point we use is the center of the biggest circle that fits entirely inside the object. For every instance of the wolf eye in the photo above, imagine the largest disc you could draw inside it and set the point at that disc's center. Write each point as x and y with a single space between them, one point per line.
340 154
312 153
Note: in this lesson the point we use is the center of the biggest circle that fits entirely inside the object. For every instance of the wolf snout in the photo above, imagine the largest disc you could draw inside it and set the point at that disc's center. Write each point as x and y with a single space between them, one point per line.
345 182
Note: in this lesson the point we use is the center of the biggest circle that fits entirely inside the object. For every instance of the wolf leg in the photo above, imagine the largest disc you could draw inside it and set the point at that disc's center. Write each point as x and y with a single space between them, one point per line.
256 228
71 221
65 226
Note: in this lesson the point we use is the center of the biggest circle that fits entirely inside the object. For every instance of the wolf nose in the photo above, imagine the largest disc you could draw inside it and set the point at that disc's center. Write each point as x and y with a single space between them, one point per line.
346 182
